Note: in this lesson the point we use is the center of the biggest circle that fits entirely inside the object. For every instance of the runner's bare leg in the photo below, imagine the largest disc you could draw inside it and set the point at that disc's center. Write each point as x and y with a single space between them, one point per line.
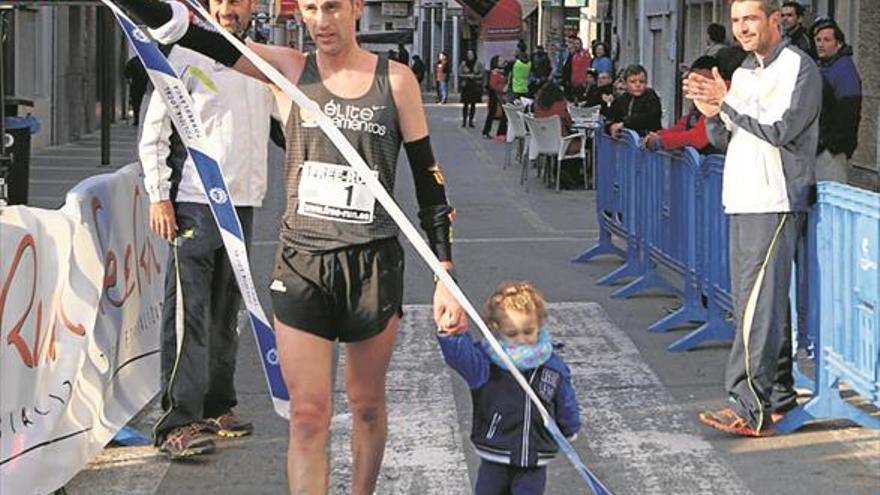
305 363
365 373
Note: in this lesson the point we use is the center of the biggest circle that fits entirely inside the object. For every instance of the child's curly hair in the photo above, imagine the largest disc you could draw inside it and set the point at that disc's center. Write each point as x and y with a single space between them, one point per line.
517 296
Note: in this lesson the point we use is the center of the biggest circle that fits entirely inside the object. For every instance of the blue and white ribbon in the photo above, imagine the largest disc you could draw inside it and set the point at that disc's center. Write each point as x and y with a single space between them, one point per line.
192 133
357 162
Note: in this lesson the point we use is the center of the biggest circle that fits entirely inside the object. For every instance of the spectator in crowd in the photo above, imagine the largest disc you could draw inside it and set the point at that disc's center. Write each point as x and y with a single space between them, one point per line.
441 74
690 130
495 86
541 68
549 102
558 55
601 61
589 83
602 93
418 68
516 315
638 108
471 77
841 101
716 39
793 25
137 86
571 47
770 141
577 65
402 54
520 70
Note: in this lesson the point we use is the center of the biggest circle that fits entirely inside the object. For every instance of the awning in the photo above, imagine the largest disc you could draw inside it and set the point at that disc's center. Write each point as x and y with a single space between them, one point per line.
528 6
503 22
402 37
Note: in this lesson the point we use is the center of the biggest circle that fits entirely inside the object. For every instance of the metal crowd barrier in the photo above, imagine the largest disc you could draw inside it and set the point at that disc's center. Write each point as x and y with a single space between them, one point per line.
667 207
713 268
844 290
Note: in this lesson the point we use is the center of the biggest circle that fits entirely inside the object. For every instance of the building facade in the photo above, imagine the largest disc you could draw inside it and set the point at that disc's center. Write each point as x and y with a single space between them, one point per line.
666 35
54 57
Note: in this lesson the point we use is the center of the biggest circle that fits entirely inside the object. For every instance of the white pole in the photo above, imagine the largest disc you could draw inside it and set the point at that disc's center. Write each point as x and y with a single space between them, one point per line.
443 27
540 22
432 63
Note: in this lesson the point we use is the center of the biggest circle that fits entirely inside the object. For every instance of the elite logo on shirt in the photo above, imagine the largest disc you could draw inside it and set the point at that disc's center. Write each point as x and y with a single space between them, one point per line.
354 118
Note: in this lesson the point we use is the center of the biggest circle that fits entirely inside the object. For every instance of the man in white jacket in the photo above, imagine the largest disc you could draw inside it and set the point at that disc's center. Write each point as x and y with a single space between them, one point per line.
768 123
198 391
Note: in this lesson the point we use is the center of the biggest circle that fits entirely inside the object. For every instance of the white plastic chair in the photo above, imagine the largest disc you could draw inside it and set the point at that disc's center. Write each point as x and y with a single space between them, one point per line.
545 138
516 131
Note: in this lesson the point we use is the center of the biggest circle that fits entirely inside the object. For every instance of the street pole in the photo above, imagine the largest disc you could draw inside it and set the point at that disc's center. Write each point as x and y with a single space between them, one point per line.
5 160
456 50
540 21
433 46
104 50
443 27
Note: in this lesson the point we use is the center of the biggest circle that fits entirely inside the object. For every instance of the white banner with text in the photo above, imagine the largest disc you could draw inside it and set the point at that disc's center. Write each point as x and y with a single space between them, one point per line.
80 310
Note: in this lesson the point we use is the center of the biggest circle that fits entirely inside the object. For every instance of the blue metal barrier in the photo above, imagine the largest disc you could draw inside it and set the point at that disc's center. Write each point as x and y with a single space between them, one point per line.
609 200
844 289
626 202
712 263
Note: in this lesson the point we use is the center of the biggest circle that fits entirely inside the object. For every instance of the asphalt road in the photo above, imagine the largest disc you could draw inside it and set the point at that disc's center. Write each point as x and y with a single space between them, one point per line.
639 402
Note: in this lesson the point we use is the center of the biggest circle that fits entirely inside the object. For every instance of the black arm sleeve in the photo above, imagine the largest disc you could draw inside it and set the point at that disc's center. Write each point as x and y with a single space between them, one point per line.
434 210
211 44
155 13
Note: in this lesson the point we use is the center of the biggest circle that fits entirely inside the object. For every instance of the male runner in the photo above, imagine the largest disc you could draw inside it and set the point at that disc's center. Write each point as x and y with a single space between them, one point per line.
339 269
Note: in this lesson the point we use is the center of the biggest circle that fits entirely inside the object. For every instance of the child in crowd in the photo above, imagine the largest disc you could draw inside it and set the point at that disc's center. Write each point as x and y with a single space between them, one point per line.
507 432
690 130
639 108
550 101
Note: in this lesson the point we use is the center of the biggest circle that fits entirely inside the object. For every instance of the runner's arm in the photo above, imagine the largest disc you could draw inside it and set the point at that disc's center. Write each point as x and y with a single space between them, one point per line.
169 23
434 209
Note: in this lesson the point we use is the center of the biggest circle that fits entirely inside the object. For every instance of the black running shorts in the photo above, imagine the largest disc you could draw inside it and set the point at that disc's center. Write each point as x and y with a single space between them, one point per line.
348 294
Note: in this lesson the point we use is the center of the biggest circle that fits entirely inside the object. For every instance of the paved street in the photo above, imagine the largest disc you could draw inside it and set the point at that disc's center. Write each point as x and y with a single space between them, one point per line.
638 401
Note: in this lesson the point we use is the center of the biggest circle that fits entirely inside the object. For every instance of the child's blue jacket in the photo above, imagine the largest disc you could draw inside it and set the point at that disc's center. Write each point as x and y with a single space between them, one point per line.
507 428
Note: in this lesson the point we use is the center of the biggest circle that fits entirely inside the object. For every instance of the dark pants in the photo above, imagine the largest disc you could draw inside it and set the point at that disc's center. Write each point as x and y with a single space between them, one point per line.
200 382
502 479
467 113
758 377
494 109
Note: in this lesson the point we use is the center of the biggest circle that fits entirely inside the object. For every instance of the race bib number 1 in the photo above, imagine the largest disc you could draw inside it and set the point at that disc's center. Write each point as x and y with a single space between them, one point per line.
334 192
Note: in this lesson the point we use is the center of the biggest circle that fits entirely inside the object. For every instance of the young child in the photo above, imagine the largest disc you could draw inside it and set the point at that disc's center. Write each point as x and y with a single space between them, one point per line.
639 108
507 432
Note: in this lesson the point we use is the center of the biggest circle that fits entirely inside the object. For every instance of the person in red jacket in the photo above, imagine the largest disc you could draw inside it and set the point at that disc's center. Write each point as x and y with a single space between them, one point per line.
690 130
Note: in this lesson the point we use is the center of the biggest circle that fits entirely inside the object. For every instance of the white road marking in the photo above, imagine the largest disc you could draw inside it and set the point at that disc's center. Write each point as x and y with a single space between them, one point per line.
630 421
424 454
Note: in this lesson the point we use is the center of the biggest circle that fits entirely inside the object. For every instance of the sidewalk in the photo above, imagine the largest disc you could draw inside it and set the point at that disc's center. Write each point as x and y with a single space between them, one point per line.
55 170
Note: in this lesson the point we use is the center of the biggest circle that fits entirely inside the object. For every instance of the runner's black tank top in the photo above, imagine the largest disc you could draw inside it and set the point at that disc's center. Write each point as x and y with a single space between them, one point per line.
370 124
